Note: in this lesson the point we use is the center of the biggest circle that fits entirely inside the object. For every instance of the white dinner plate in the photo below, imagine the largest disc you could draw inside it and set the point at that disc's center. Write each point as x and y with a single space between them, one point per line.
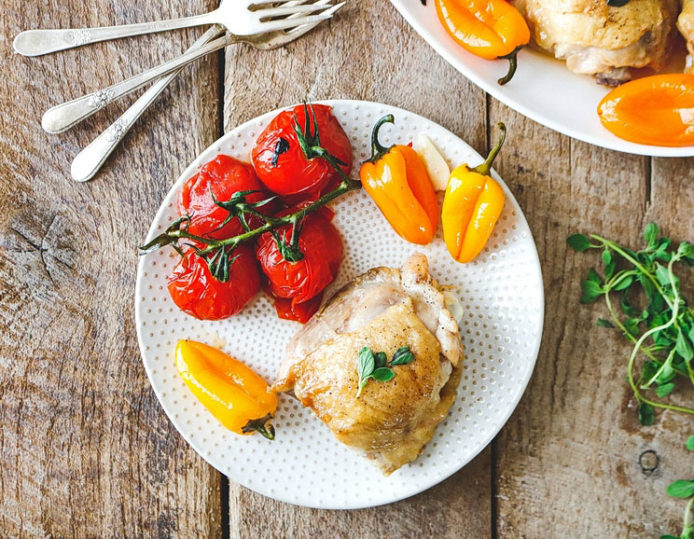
543 89
503 298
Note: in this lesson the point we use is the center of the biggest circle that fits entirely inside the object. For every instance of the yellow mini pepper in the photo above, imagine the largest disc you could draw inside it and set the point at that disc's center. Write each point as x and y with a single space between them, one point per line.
397 180
230 390
471 207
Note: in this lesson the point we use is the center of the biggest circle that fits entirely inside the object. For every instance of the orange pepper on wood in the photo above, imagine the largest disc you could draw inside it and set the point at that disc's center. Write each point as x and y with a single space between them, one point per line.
656 110
238 397
490 29
471 207
397 180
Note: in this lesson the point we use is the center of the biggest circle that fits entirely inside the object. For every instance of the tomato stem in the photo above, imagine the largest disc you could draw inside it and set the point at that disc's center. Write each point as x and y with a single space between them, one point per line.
174 233
378 150
486 167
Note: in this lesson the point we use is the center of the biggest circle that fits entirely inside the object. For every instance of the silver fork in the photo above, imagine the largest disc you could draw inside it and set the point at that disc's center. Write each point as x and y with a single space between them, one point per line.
90 160
239 17
62 117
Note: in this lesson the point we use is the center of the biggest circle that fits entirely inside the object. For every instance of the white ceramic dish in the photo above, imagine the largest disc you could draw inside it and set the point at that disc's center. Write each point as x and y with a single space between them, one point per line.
503 297
543 89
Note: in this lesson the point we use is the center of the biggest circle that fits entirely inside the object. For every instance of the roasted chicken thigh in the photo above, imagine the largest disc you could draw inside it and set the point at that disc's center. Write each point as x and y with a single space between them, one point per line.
601 40
384 309
685 24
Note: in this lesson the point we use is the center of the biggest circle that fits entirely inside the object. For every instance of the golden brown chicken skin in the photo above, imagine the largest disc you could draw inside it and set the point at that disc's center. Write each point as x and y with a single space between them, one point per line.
384 309
685 24
601 40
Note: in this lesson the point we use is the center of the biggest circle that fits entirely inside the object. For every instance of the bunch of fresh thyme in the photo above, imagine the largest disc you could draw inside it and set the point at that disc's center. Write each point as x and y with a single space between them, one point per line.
654 314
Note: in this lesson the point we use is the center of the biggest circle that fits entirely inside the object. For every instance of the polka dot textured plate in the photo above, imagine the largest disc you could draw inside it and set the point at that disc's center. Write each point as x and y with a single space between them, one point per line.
501 329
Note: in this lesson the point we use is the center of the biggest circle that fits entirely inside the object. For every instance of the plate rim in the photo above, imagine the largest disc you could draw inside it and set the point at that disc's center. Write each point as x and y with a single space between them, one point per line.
194 443
612 142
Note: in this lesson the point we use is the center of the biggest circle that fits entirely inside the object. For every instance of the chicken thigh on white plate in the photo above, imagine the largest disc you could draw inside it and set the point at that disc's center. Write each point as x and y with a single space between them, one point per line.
384 310
601 40
685 24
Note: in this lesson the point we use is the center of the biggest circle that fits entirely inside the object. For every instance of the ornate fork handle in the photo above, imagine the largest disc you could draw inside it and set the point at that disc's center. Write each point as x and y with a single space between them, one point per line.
88 162
38 42
63 117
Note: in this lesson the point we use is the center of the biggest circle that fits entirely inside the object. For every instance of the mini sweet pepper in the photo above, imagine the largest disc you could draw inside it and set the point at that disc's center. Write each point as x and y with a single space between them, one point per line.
238 397
489 29
397 180
471 207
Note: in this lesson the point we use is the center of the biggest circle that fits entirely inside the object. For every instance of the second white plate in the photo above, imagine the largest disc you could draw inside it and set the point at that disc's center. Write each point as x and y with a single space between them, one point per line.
543 89
503 298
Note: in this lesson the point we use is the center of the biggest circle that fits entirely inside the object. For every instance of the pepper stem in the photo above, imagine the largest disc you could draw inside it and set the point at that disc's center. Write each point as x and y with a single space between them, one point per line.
485 167
260 425
377 150
512 58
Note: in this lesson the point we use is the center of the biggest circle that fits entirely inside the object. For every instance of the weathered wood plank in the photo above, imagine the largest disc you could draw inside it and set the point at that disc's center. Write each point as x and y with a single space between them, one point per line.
570 460
368 52
85 449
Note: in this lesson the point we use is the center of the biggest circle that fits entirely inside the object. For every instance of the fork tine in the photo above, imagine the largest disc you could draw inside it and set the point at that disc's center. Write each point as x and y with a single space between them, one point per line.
289 10
289 23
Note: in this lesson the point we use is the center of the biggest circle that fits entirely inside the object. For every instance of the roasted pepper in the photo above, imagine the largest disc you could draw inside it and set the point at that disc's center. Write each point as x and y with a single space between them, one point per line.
397 180
231 391
471 206
490 29
656 110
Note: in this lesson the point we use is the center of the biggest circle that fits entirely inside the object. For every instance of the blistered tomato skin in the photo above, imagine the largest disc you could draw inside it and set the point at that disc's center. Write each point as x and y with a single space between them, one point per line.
281 163
196 292
302 281
223 176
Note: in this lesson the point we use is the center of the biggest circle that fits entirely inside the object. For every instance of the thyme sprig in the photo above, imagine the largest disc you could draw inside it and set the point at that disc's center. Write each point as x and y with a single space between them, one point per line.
663 331
216 249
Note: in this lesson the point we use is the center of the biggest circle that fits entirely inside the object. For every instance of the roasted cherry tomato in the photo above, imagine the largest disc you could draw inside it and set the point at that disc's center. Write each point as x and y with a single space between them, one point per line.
195 291
223 176
286 156
298 312
301 281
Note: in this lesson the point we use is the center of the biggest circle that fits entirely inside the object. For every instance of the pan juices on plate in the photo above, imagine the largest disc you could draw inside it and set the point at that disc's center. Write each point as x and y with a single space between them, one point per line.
379 364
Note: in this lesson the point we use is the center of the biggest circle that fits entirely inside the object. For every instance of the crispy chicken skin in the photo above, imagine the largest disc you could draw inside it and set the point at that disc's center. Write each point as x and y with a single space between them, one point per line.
601 40
685 24
384 309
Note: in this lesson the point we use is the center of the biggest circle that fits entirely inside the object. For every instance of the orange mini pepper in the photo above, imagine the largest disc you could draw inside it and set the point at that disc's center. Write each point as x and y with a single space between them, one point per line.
656 110
471 207
490 29
397 180
230 390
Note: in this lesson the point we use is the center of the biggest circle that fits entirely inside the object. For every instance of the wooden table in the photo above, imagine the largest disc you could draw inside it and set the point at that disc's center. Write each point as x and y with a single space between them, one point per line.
85 448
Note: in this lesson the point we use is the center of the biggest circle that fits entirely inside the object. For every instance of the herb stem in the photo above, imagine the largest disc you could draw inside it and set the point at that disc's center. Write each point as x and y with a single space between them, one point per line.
612 245
639 342
272 223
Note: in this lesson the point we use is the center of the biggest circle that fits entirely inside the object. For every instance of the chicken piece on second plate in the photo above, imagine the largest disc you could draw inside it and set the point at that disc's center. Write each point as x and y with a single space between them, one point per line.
685 24
384 309
601 40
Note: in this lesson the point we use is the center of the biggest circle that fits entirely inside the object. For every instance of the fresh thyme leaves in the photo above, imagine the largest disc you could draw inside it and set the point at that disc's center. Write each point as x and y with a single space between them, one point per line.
617 3
662 329
684 489
375 365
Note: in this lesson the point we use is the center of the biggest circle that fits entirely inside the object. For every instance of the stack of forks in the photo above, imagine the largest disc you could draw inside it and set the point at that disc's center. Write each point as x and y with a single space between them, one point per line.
264 24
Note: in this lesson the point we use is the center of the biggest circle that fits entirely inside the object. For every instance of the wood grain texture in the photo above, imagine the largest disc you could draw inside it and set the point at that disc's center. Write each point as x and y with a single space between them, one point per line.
85 449
570 462
361 55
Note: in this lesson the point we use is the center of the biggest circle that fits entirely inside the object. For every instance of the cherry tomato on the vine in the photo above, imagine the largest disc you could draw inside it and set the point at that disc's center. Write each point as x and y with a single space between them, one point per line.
301 281
195 291
223 176
284 166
